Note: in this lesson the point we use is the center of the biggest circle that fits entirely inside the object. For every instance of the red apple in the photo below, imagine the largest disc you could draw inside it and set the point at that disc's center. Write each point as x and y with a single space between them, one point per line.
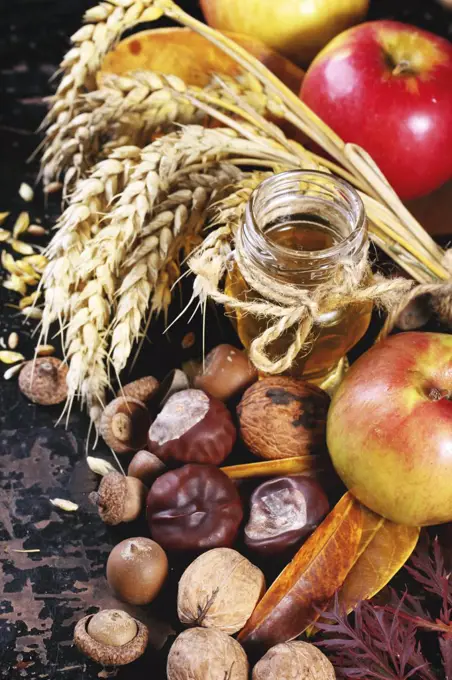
387 86
389 429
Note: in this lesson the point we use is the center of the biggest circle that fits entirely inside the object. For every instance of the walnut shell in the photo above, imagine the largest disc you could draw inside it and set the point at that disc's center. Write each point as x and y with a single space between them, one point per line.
206 654
283 417
299 660
43 381
220 589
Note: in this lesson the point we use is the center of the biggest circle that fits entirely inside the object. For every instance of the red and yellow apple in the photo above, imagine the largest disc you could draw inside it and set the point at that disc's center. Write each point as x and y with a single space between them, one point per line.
389 429
296 28
387 86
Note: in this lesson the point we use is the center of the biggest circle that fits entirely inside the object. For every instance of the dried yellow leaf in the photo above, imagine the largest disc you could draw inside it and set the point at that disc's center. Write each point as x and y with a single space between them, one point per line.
8 357
16 284
22 223
3 216
4 235
22 248
26 192
63 504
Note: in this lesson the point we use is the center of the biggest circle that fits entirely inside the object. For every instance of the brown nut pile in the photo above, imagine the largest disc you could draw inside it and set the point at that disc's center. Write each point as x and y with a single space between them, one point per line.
283 417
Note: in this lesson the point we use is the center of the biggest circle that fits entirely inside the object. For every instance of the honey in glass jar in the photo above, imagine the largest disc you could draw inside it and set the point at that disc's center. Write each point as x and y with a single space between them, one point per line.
298 227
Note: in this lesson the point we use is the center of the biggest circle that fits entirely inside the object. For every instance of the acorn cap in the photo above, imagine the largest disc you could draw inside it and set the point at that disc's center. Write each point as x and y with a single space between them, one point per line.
143 389
43 381
111 497
109 655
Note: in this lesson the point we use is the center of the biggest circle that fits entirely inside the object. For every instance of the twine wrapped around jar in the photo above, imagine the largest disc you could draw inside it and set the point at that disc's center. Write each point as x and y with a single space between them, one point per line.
287 307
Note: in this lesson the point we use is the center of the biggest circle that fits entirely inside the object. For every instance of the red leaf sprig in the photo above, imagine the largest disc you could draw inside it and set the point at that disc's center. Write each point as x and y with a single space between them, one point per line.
382 642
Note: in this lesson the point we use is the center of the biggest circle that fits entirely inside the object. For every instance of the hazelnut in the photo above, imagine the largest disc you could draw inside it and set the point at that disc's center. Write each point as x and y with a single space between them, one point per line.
175 381
206 654
119 498
136 570
220 589
227 373
146 467
299 660
143 389
124 424
193 428
284 510
43 381
283 417
111 637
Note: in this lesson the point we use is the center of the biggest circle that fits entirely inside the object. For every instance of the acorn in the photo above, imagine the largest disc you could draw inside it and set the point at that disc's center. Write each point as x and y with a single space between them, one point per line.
137 569
146 466
124 424
111 637
119 498
43 381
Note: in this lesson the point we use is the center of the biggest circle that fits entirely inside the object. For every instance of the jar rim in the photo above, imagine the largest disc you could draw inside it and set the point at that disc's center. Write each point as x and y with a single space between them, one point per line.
326 254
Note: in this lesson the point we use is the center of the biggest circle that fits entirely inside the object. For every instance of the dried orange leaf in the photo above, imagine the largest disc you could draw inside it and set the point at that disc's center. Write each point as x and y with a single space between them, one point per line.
9 357
385 549
309 582
274 468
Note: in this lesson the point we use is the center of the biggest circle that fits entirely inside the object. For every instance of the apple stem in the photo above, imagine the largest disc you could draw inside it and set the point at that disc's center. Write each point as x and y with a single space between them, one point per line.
403 68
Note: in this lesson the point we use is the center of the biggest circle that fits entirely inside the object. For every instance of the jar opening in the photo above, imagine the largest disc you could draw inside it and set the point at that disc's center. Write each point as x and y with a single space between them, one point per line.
303 221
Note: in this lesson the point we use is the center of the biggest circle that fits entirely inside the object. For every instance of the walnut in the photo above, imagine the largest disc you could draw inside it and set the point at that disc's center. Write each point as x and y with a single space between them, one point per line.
220 589
283 417
206 654
299 660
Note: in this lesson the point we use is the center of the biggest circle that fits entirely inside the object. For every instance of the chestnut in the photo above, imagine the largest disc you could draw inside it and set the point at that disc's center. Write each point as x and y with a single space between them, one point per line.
119 498
196 507
124 424
111 637
146 467
136 570
227 373
192 427
282 512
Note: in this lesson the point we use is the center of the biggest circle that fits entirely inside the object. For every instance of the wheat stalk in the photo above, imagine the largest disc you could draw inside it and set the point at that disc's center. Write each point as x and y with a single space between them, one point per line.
75 228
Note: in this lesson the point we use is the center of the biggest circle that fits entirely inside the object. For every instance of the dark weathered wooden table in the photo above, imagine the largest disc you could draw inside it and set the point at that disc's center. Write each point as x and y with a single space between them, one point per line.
43 593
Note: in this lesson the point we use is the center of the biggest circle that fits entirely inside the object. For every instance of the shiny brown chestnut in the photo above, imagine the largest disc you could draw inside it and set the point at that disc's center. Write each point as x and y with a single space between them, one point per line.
283 511
192 427
196 507
227 373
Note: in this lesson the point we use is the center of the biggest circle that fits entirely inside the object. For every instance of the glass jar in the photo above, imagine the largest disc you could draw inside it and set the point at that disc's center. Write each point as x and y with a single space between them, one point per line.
299 225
